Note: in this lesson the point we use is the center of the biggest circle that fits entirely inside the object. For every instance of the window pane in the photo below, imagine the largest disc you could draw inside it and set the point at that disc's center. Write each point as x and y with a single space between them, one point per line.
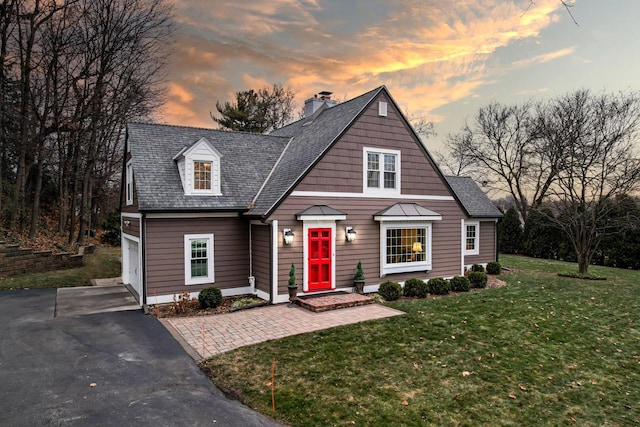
389 180
389 171
406 245
373 170
373 179
389 163
202 175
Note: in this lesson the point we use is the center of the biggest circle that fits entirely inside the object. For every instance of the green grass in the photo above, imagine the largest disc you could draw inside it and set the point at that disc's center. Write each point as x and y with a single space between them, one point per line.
103 263
544 350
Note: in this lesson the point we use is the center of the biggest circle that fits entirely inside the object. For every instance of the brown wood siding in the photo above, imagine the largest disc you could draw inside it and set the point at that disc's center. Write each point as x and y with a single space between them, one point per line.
164 249
487 244
341 169
446 248
261 256
133 229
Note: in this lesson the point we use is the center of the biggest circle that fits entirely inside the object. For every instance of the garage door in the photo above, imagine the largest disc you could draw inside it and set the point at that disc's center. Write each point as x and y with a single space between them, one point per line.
133 268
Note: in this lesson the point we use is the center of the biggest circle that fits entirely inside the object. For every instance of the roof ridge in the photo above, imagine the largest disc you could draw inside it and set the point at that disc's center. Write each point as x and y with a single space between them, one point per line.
228 131
341 104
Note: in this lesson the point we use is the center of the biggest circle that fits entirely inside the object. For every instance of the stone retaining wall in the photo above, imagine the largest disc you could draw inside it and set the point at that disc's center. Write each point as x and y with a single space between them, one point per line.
16 260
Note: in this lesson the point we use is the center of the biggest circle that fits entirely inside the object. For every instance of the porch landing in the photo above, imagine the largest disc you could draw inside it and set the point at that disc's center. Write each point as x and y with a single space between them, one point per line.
332 301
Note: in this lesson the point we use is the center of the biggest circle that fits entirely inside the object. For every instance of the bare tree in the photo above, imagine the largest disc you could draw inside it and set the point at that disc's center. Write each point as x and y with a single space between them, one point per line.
503 149
600 162
72 74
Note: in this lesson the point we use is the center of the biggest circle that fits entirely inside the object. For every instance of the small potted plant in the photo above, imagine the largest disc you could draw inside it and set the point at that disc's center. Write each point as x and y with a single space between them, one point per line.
358 279
292 286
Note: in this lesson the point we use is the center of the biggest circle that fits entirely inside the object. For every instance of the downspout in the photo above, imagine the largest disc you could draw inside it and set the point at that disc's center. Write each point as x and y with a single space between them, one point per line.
143 244
252 280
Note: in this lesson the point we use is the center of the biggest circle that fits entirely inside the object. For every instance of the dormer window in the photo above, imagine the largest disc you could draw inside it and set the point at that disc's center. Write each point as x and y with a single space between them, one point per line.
199 167
201 175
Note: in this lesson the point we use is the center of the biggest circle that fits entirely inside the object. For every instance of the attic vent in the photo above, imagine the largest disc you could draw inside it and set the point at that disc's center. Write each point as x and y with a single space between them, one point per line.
382 109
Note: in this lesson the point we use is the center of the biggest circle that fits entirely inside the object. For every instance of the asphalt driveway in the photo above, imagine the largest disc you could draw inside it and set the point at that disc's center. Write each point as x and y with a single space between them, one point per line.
116 368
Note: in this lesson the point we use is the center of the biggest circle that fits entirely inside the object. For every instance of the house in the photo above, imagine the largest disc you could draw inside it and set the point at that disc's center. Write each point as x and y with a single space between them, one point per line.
348 182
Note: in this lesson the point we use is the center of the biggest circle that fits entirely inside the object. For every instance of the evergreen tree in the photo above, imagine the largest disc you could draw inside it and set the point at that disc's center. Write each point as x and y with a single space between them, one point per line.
510 232
257 111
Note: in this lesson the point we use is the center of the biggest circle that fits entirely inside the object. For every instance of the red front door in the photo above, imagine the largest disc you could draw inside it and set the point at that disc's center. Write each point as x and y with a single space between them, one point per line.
319 261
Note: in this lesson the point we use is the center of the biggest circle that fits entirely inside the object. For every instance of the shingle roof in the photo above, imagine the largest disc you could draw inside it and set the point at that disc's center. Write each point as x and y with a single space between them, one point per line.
475 202
311 138
246 162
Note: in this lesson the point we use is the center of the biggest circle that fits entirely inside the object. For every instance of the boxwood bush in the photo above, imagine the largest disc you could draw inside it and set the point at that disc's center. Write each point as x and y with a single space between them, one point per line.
415 288
494 267
390 290
438 286
210 297
460 284
478 279
477 268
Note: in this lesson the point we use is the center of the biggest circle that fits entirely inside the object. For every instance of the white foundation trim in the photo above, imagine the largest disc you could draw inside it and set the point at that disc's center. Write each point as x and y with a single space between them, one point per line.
262 295
163 299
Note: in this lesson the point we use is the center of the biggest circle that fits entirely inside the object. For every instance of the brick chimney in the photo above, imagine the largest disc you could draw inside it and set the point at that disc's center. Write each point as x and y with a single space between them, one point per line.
311 105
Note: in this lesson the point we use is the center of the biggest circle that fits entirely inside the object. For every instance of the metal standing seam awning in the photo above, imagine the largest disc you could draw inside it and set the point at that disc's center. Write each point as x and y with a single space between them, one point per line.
321 212
407 212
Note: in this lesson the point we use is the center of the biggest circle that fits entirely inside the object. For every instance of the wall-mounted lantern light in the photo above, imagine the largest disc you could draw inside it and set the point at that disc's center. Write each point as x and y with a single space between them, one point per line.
350 233
127 222
287 235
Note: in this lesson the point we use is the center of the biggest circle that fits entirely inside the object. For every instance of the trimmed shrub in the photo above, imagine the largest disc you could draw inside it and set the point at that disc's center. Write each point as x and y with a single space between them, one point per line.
460 284
415 288
478 279
210 297
477 268
494 268
390 290
438 286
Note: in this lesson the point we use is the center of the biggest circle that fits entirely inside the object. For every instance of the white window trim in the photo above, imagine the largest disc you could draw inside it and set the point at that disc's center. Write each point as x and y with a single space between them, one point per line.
212 190
386 268
476 250
210 278
380 191
129 183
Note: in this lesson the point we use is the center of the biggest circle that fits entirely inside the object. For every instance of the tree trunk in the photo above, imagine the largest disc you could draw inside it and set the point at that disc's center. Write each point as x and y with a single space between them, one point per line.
35 209
583 264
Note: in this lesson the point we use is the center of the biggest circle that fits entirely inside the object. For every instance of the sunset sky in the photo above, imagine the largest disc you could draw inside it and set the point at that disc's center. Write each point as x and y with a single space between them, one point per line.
439 58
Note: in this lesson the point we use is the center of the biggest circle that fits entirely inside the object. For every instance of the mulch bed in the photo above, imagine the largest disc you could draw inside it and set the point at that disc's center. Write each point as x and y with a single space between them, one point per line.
192 308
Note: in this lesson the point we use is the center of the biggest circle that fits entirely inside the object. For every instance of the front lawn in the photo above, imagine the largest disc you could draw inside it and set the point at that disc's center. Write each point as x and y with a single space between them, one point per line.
103 263
544 350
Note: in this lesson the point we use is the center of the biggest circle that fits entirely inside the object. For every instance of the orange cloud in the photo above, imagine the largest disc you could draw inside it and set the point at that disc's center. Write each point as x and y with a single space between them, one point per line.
428 53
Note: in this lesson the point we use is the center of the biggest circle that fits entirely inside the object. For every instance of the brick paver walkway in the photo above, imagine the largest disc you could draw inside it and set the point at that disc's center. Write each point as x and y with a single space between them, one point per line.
225 332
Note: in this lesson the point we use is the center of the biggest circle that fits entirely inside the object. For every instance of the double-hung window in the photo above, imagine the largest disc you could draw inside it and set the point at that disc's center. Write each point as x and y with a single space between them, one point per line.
381 171
198 259
471 238
406 246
